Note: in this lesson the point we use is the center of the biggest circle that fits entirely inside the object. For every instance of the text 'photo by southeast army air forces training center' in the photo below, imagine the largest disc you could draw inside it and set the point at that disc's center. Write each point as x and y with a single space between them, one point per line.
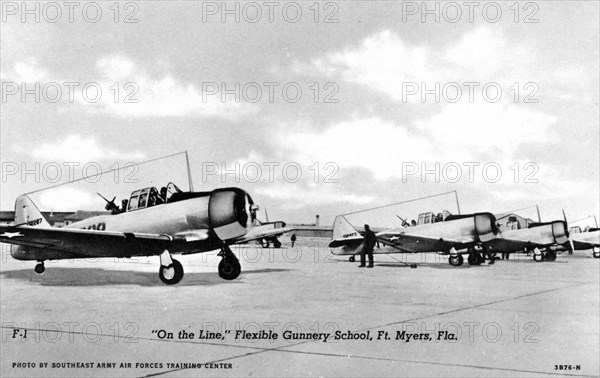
299 188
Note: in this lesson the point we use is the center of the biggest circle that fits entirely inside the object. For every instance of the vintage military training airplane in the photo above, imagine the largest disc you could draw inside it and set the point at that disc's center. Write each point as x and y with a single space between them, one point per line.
583 240
453 235
149 223
535 237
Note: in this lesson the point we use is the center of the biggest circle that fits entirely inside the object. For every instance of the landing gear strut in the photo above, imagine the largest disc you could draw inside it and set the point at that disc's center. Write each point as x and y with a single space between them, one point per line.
229 267
455 259
171 270
39 268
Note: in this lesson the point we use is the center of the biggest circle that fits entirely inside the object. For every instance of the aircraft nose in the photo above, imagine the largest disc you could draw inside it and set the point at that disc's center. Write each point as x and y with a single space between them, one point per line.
561 234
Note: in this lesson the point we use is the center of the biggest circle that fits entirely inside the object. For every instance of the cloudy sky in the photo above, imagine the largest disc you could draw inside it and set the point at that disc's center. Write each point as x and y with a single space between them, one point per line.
313 108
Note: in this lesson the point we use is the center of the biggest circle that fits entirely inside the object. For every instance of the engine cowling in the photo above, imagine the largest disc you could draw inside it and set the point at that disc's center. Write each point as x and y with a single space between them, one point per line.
485 226
560 232
231 212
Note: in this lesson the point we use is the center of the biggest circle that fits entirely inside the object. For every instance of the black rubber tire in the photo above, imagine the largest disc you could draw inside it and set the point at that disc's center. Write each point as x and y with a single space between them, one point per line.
550 256
229 268
474 259
176 277
352 258
276 243
39 268
456 260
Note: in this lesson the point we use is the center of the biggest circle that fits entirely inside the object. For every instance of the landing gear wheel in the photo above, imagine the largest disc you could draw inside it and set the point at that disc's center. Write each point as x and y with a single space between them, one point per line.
229 268
352 258
264 243
550 256
596 252
474 259
39 268
456 260
171 274
276 243
538 257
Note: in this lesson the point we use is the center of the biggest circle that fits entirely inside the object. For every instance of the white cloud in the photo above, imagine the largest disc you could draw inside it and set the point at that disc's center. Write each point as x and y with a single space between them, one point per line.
160 97
298 196
369 143
127 90
458 133
65 199
115 67
29 71
385 61
77 148
467 130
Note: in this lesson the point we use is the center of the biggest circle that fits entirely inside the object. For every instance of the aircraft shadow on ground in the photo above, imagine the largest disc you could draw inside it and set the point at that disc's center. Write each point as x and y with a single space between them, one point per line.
431 265
103 277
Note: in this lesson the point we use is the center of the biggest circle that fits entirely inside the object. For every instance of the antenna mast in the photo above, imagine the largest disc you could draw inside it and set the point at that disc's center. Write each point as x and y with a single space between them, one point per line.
189 171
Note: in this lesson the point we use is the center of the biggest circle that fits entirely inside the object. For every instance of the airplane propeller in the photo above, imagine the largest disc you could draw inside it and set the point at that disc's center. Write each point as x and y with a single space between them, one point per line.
571 245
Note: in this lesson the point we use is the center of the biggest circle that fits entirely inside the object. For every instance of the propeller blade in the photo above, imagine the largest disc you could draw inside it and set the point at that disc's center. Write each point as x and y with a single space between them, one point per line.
572 245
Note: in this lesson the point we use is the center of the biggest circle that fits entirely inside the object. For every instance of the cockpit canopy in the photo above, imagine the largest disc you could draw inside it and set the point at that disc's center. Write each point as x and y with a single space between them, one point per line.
431 217
148 197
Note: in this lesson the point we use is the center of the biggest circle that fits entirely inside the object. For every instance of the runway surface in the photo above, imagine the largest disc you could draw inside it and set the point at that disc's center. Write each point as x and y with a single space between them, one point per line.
513 318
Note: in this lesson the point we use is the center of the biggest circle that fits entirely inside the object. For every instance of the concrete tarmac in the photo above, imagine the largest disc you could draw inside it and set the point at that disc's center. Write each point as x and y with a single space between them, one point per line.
116 318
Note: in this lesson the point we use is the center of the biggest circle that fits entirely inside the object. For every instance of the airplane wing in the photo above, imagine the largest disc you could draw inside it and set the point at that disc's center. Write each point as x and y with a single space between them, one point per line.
464 232
511 245
537 235
406 242
261 232
85 243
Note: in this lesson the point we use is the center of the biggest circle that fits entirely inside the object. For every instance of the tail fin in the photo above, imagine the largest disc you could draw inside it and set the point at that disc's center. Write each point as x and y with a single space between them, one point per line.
27 213
344 233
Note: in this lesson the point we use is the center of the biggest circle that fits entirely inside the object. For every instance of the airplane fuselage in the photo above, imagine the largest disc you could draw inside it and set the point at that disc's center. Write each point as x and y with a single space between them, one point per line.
464 231
168 219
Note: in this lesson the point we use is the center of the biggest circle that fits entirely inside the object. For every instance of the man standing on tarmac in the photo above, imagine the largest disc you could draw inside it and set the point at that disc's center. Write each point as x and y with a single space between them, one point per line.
368 244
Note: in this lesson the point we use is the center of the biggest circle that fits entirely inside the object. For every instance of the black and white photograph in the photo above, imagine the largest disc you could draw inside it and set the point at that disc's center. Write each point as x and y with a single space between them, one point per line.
345 188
